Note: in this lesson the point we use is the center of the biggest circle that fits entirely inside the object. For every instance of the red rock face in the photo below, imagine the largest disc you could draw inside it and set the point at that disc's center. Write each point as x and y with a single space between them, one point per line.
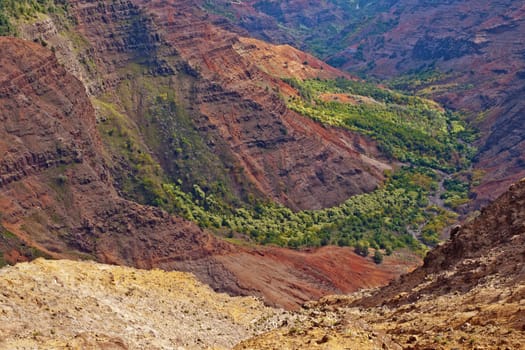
56 190
57 196
235 98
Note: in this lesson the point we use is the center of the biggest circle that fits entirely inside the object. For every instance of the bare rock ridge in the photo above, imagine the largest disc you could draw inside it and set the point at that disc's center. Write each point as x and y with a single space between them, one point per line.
489 248
57 198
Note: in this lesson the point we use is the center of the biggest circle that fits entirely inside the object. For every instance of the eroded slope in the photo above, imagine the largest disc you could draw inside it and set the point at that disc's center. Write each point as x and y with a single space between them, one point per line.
57 199
256 145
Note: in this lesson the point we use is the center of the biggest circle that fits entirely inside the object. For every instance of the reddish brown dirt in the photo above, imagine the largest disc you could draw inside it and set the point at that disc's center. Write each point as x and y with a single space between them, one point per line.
57 195
284 276
284 61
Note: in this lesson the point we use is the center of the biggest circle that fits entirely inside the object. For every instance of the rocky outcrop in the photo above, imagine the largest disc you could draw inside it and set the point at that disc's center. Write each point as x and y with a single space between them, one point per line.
488 248
33 142
468 294
67 304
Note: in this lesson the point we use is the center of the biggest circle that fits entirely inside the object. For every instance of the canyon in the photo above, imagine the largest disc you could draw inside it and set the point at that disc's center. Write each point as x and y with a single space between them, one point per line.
466 55
469 293
124 123
58 201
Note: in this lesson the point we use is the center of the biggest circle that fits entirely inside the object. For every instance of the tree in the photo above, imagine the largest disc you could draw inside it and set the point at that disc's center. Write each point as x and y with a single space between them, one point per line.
361 248
378 257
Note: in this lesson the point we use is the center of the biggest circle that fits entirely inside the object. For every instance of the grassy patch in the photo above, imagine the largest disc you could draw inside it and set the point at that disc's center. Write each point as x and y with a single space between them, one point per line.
9 242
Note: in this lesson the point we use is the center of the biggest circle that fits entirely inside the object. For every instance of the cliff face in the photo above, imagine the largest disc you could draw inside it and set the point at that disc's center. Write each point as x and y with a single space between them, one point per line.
57 199
229 88
57 192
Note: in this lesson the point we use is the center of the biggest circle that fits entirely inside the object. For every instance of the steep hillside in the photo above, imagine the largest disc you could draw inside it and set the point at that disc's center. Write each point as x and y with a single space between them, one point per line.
57 194
476 67
467 55
57 199
196 89
468 294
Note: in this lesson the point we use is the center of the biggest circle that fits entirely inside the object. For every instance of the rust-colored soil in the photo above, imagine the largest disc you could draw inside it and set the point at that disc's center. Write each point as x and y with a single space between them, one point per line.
234 99
289 278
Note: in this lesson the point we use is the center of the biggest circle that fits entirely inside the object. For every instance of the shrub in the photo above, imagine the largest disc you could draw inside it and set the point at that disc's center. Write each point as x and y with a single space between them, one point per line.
378 257
361 248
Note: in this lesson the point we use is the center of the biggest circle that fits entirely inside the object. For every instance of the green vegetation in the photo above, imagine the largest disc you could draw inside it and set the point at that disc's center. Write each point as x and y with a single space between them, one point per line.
407 128
439 220
457 192
12 11
378 257
139 176
361 248
187 185
225 11
378 219
457 187
417 79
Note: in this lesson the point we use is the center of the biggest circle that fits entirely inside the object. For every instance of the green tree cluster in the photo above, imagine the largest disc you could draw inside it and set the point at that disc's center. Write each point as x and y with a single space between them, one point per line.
407 128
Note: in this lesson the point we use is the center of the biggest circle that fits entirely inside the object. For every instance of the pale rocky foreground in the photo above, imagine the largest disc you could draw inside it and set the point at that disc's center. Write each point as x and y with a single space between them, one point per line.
77 305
